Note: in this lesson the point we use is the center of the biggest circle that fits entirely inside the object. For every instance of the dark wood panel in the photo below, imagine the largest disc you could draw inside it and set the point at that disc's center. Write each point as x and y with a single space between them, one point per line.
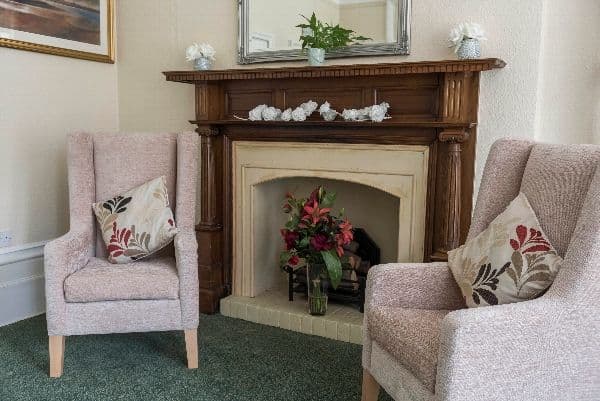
410 103
240 102
339 98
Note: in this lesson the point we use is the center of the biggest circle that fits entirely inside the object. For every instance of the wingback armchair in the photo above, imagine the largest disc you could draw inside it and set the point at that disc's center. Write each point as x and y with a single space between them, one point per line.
421 343
85 294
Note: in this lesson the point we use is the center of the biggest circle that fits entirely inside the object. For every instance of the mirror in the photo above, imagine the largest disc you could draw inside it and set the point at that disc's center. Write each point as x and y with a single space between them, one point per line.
268 32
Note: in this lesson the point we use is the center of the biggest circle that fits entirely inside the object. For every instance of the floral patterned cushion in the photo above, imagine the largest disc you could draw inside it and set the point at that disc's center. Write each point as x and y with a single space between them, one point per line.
138 223
510 261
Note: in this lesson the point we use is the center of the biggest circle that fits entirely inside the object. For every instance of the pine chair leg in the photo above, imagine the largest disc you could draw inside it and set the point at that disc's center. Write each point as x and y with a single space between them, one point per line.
56 348
191 347
370 387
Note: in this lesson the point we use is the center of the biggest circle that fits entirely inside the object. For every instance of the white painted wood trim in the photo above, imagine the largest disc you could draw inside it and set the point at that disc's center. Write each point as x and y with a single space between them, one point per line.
18 253
21 282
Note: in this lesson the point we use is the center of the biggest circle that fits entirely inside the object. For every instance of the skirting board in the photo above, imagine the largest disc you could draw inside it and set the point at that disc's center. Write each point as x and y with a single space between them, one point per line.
21 283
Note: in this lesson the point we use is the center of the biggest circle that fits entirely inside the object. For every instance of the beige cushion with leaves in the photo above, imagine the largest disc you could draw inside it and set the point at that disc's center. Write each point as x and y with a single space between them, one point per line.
137 223
510 261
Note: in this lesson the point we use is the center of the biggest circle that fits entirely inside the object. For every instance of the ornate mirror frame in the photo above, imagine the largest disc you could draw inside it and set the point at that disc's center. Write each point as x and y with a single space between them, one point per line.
400 47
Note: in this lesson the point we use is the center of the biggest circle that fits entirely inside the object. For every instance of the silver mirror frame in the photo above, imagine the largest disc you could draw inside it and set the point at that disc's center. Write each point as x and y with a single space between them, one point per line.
401 47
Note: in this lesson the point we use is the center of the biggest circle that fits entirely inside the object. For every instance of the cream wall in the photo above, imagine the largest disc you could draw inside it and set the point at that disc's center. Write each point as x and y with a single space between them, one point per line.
569 84
42 99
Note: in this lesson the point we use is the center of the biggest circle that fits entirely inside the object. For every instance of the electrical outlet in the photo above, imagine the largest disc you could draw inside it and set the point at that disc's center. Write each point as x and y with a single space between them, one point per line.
5 238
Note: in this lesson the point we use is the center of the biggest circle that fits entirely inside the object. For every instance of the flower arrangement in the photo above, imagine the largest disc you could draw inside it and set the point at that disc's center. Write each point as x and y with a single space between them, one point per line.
313 235
465 31
325 36
196 51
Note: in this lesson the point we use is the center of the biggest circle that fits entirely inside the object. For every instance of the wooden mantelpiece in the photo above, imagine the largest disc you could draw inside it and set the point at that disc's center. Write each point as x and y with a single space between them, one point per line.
432 103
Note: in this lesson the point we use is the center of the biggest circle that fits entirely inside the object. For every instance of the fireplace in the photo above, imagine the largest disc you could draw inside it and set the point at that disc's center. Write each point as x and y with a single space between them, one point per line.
398 170
434 114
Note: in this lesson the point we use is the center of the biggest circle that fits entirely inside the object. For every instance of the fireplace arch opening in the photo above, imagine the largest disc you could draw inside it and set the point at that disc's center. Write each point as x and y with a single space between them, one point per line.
372 209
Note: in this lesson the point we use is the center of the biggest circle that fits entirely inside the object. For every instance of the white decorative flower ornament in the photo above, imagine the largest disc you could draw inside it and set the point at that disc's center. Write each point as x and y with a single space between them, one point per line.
196 51
286 115
256 113
299 114
309 107
271 114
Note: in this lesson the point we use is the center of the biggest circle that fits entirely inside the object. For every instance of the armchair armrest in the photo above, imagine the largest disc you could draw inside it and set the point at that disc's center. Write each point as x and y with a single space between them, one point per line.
413 285
539 349
62 257
186 255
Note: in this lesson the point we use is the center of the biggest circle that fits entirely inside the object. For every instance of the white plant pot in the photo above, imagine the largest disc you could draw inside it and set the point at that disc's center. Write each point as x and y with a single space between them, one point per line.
469 49
316 57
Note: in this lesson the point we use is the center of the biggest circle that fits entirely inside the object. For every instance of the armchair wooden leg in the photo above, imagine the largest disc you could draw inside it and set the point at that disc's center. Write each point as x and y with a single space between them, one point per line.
191 347
56 348
370 387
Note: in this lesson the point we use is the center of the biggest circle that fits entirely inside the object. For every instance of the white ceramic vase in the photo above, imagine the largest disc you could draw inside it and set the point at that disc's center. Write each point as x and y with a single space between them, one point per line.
469 49
316 57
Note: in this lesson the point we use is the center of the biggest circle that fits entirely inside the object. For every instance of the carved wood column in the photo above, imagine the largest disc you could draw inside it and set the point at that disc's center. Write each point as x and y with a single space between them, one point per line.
452 230
209 231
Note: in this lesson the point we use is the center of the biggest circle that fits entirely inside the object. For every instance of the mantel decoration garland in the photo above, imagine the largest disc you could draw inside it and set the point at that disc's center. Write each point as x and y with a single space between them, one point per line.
376 113
314 237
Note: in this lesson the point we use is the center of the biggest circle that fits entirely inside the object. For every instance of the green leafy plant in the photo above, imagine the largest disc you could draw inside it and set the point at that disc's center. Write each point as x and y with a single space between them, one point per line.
325 36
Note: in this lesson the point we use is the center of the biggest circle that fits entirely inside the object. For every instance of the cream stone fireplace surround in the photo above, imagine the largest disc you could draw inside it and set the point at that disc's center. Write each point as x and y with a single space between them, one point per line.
399 170
396 169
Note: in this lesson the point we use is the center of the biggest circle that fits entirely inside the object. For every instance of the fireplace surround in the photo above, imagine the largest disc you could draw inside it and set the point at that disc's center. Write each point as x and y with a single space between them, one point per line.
433 105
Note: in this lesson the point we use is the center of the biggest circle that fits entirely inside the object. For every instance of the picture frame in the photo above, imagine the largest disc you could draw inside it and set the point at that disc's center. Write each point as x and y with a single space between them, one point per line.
82 29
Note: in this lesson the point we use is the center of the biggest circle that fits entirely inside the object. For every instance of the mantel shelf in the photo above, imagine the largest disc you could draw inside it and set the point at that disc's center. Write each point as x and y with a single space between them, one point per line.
340 124
337 71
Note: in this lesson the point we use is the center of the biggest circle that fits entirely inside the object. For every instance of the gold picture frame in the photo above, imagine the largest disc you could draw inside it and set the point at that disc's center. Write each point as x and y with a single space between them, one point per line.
108 46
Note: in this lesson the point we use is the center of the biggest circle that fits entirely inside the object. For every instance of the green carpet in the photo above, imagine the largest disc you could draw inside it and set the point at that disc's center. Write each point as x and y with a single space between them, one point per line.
239 360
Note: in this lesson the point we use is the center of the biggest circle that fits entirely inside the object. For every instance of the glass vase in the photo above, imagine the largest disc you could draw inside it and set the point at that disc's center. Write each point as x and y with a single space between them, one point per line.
202 64
317 289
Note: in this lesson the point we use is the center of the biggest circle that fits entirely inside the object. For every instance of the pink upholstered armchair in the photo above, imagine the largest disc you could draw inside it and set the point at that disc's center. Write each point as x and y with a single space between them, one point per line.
85 294
420 343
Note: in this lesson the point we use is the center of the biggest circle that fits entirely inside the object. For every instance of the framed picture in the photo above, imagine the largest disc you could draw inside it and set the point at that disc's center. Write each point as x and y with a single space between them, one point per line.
71 28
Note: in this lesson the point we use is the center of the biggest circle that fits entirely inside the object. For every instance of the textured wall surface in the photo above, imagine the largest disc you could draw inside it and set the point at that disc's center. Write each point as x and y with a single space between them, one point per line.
42 99
569 92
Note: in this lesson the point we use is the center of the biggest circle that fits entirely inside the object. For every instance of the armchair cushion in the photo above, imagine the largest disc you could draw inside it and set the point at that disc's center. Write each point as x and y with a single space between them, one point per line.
99 280
412 336
137 223
510 261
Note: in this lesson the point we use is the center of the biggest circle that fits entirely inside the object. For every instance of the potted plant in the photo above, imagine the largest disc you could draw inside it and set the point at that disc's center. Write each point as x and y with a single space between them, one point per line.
314 238
319 37
202 55
465 38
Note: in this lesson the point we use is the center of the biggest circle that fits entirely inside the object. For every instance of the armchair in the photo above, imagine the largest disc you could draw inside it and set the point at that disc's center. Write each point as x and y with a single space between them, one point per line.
421 343
85 294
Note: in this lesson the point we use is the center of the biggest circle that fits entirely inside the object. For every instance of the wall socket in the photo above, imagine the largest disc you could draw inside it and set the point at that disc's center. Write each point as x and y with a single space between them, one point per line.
5 238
